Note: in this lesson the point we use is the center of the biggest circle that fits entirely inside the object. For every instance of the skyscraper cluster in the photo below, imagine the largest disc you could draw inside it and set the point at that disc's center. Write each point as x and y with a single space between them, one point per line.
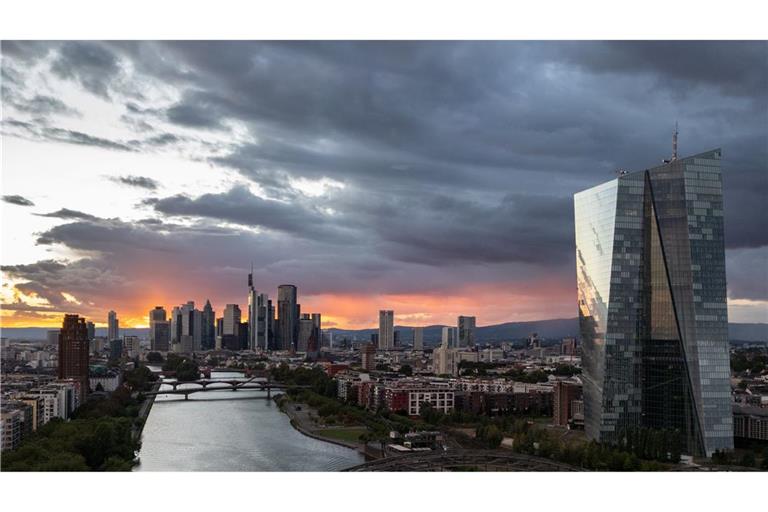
189 329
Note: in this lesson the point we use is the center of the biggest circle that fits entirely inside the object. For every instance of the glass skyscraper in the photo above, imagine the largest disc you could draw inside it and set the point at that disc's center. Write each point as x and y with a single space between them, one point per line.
650 264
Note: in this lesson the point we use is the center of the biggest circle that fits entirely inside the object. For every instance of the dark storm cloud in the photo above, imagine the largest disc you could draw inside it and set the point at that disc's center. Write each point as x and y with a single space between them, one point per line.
407 124
89 63
240 206
24 50
736 67
18 200
136 181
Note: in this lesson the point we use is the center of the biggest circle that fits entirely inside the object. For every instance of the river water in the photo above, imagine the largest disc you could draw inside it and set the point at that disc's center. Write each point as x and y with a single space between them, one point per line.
231 431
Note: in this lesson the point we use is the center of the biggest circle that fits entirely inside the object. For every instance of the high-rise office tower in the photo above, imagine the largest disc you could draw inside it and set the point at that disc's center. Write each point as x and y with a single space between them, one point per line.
253 314
265 324
230 325
466 326
386 329
160 335
287 316
113 326
242 336
315 339
208 319
650 264
258 317
175 325
197 329
155 315
418 338
91 328
450 337
73 352
305 332
187 318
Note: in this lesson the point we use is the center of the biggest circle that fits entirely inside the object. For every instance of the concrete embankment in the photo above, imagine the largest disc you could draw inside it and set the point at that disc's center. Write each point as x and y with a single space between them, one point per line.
146 406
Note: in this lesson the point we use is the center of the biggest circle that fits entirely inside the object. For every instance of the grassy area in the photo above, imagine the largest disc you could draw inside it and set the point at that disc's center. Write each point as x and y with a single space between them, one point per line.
350 435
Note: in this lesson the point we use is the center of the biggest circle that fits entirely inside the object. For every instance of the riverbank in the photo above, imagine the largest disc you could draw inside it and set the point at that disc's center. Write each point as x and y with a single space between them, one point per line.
301 416
146 407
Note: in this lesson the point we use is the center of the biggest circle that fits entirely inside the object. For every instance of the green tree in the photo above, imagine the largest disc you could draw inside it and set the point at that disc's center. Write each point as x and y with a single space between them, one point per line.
748 460
155 357
187 370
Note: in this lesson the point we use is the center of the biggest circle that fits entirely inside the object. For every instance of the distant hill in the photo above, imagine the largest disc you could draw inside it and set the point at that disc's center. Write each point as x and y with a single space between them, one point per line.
748 332
556 328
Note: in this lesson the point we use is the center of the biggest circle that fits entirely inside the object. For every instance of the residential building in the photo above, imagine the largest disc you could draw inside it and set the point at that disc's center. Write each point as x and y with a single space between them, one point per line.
107 379
750 422
441 399
74 352
132 346
12 427
445 361
565 393
368 357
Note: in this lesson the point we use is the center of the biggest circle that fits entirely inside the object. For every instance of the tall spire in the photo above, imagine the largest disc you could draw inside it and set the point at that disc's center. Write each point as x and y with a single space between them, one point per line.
674 143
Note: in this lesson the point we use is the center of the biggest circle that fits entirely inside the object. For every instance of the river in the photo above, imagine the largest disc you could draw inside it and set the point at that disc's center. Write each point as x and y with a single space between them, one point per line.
231 431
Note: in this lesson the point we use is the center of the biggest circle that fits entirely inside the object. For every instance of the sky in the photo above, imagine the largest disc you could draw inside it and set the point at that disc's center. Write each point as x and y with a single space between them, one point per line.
432 178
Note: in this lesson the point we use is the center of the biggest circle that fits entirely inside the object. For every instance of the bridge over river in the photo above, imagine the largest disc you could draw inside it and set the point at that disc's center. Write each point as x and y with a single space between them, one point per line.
221 385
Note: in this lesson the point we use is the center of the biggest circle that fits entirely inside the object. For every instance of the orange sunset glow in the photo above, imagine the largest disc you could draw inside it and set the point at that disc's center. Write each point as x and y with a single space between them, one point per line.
491 305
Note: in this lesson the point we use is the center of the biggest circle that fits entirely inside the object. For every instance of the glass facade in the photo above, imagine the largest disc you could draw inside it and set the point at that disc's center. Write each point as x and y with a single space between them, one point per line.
652 304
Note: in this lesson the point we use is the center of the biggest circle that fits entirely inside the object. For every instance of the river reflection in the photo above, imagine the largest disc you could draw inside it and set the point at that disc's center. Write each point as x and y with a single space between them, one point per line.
231 431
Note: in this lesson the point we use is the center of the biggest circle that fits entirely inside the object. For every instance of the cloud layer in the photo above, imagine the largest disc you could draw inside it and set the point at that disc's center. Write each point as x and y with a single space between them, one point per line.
374 171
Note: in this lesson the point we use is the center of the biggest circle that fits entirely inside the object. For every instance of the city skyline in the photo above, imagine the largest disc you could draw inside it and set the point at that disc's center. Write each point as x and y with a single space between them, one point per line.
435 186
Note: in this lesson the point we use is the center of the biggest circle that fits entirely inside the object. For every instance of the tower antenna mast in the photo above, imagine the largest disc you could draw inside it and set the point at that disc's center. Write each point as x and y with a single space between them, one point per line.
674 143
